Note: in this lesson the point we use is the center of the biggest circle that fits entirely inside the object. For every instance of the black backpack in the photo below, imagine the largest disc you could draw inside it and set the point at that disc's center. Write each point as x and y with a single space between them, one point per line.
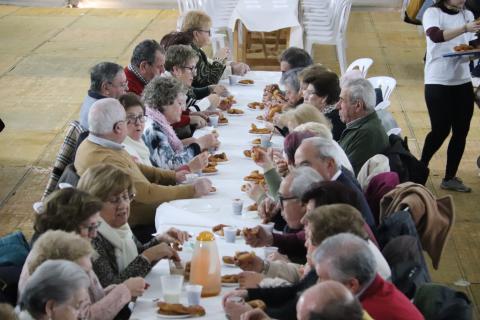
404 163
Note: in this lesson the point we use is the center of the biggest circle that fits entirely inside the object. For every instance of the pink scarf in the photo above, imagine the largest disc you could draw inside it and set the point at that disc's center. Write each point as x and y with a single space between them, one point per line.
167 129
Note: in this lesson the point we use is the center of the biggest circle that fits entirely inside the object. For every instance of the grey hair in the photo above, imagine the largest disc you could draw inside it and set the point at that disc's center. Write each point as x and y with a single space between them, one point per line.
347 256
302 180
161 92
361 90
290 78
146 51
103 72
349 76
319 129
56 280
178 55
103 115
325 149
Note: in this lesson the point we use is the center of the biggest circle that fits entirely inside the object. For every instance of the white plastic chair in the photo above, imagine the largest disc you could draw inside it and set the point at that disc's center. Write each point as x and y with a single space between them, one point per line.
386 84
396 131
332 34
363 64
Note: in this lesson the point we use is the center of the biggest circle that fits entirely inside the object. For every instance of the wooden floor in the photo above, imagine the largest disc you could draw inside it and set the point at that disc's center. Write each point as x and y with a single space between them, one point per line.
44 61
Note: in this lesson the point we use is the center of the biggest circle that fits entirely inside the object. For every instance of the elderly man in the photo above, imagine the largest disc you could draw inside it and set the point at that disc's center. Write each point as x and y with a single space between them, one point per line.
364 135
148 61
328 300
323 156
347 258
108 129
292 241
107 80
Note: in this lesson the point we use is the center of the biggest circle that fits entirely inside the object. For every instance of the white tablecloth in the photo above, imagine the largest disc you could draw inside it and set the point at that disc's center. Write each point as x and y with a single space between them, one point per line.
269 15
196 215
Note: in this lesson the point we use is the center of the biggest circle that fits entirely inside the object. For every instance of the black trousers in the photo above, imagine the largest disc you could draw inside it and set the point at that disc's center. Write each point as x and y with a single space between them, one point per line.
450 109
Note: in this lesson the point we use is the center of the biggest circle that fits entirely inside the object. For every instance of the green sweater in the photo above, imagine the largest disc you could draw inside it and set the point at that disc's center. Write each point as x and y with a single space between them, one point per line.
363 139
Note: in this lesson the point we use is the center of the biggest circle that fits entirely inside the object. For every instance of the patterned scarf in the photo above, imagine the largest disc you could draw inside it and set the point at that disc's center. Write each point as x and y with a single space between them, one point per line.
167 129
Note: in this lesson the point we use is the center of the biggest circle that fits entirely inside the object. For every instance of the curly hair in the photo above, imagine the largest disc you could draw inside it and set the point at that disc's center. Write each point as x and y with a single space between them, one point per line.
65 210
57 245
161 92
105 180
329 220
179 55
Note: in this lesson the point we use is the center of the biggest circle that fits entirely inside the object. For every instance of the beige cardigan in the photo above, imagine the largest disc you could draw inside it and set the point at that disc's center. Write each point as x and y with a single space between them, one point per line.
153 186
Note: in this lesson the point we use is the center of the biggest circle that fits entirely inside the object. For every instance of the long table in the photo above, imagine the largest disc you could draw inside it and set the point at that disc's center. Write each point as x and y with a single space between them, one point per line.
196 215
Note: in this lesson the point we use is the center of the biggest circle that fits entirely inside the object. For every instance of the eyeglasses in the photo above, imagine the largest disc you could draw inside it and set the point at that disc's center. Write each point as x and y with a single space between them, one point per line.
92 228
192 69
206 31
120 85
282 199
132 119
127 197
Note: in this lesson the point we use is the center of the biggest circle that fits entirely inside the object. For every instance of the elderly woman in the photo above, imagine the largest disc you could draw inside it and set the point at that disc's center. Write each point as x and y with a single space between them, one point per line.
165 99
293 94
323 91
55 291
69 210
133 143
198 24
303 113
120 254
104 304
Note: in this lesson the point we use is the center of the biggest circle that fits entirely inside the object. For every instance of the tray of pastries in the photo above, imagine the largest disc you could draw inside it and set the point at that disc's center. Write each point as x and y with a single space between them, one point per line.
228 102
254 176
222 120
178 309
256 105
463 50
211 168
235 111
246 82
256 130
218 158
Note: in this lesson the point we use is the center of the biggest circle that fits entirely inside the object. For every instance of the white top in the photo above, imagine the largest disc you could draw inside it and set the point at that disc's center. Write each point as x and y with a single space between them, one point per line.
138 150
440 70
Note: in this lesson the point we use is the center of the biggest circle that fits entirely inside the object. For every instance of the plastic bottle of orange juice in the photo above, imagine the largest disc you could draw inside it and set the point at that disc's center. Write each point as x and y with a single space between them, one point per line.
205 268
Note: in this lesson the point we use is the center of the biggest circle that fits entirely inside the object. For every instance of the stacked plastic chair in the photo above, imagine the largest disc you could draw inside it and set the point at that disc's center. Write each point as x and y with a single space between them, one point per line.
362 64
325 22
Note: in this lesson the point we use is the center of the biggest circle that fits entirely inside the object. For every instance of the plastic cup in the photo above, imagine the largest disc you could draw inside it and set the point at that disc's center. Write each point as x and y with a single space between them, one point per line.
265 141
171 287
269 250
230 234
213 120
237 206
194 293
233 79
268 227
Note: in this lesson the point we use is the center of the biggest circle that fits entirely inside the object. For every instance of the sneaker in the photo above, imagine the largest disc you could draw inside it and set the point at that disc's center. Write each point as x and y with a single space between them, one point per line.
454 184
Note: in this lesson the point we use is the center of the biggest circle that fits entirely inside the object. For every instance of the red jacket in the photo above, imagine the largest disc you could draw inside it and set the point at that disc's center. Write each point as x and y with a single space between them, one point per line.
382 300
135 85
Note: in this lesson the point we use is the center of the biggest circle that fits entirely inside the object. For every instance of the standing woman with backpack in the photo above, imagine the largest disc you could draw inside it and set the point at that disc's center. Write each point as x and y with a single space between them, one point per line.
448 84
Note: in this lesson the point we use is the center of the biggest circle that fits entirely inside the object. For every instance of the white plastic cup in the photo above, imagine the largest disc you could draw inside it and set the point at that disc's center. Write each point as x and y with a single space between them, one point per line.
269 250
230 234
171 287
268 227
213 120
233 79
194 293
265 141
237 206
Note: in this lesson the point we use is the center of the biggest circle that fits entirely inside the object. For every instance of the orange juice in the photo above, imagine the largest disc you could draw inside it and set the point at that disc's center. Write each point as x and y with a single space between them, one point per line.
205 267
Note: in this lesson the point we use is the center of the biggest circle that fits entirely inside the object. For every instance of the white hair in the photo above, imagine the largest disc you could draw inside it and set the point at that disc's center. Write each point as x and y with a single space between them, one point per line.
302 180
319 129
103 115
325 148
347 256
349 76
361 90
56 280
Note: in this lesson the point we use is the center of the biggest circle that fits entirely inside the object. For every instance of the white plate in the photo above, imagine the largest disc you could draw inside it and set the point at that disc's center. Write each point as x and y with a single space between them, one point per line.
245 84
224 284
235 114
199 207
209 173
223 124
180 316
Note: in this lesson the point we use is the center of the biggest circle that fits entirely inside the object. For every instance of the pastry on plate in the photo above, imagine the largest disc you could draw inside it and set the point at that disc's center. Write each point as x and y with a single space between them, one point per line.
246 81
178 309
